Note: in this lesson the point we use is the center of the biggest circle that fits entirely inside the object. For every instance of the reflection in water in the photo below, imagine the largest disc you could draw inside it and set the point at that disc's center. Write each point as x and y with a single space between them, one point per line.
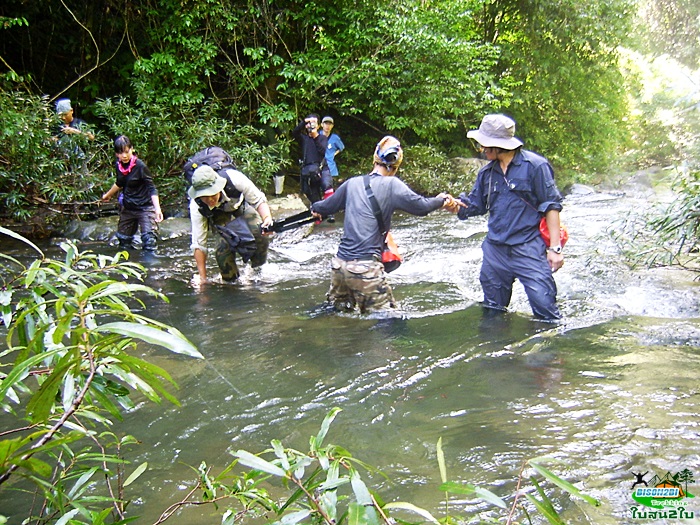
610 391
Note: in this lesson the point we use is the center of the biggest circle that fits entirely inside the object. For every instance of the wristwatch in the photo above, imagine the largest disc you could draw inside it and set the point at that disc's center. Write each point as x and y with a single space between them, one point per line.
555 249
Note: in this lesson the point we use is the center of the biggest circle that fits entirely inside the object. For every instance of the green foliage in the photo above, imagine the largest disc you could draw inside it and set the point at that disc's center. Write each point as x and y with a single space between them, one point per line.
67 367
670 27
34 167
667 234
165 135
325 485
664 99
428 172
568 97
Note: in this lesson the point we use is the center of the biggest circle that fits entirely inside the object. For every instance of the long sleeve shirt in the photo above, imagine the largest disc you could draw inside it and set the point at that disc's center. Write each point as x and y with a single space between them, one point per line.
313 150
516 200
249 194
361 236
137 186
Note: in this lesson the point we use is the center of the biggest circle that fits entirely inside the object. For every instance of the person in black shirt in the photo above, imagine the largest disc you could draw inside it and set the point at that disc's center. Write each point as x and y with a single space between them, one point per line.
139 205
316 180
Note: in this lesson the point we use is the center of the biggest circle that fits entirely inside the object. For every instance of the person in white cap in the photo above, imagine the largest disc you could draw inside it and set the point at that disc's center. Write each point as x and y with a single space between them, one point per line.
516 188
68 136
358 279
230 203
71 125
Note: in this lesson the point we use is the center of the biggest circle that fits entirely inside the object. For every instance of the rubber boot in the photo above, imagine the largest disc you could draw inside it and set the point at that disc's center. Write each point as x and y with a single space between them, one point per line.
149 241
326 194
126 242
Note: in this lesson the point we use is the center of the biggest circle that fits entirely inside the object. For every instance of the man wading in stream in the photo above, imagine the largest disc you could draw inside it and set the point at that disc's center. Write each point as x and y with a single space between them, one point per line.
358 279
231 204
516 189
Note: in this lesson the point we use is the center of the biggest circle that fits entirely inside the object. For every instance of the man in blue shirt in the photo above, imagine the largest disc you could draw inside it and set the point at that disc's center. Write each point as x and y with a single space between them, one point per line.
335 145
516 188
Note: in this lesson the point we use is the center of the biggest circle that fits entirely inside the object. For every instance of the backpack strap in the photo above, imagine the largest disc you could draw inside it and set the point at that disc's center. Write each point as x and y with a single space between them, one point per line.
375 208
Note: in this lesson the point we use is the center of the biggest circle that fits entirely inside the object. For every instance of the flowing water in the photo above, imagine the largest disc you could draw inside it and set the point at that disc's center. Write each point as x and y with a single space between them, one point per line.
612 390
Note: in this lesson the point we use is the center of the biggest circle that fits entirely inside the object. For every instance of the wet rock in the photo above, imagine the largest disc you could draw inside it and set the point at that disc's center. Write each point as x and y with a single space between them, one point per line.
468 166
581 189
282 207
104 229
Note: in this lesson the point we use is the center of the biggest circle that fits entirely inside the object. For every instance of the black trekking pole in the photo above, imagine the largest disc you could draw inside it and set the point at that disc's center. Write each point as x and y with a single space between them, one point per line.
289 223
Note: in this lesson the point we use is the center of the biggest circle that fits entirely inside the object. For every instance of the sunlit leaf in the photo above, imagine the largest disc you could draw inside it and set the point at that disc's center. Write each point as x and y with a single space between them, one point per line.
562 484
467 489
362 515
257 463
20 238
67 517
409 506
293 517
136 473
326 425
360 489
441 461
176 344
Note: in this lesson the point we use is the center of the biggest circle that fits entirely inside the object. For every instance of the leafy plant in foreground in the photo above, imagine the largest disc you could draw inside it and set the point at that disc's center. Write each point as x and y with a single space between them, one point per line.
325 486
67 369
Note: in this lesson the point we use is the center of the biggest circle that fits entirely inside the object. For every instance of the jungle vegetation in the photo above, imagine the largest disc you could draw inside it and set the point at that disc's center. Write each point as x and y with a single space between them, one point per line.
176 76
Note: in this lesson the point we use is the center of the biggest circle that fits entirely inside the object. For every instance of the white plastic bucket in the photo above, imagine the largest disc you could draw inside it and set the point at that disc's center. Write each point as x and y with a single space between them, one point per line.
279 184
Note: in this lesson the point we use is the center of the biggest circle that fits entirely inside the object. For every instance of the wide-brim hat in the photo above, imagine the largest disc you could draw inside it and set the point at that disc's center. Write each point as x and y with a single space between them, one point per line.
205 182
496 131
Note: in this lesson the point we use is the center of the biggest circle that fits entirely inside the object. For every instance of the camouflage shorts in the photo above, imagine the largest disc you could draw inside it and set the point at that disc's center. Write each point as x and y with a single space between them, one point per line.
359 284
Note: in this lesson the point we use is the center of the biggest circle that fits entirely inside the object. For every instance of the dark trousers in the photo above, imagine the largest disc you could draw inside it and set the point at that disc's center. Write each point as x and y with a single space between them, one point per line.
129 223
314 185
526 262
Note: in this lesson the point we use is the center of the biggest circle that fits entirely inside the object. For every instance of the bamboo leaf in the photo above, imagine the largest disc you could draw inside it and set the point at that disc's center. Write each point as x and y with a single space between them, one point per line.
37 466
562 484
80 484
44 400
441 461
257 463
294 517
467 489
67 517
136 473
409 506
326 425
17 236
175 343
362 515
279 452
360 489
550 514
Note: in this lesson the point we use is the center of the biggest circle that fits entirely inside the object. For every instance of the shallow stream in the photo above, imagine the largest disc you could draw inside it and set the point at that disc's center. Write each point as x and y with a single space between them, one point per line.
612 390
